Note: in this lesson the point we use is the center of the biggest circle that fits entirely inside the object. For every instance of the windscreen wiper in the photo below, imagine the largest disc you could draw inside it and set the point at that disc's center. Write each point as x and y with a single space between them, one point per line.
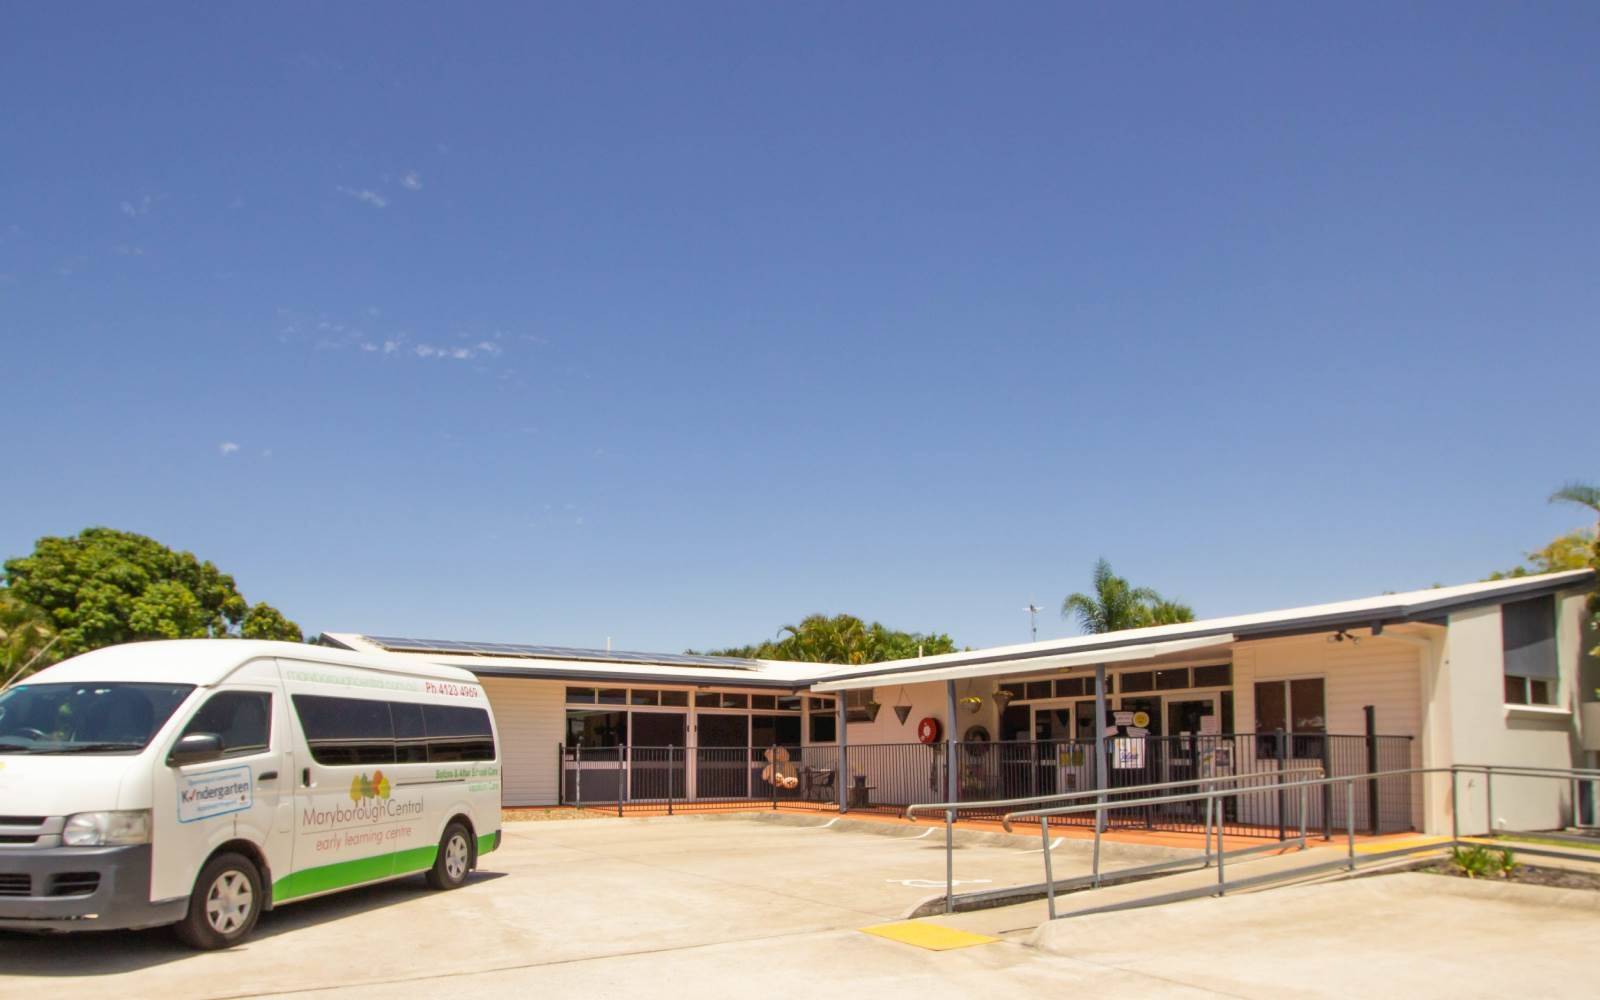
93 747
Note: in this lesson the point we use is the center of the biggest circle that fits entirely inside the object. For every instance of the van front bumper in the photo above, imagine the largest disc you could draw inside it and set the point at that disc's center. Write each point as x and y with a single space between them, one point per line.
80 889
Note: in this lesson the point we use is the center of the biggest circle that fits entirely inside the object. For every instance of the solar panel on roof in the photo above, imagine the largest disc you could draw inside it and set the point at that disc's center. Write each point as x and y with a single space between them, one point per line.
398 644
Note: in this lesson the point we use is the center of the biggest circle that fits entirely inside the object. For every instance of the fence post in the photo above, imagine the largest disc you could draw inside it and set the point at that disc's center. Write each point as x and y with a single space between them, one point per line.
1350 823
672 783
1283 802
1372 768
950 791
1455 812
620 776
561 774
1220 853
1327 790
773 752
1488 788
577 772
842 779
1209 803
1049 875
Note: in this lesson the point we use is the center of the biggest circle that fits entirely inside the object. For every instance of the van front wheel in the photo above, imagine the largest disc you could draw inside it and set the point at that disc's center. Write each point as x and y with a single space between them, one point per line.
224 905
450 868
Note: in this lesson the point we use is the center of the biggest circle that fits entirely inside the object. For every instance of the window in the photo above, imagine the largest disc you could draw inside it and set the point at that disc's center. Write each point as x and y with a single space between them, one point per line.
788 703
1074 687
767 730
824 727
822 704
1295 706
764 701
1218 675
613 696
674 699
1036 689
596 730
358 731
1142 680
646 697
458 732
1171 680
242 719
1528 638
346 730
410 733
61 718
734 701
580 696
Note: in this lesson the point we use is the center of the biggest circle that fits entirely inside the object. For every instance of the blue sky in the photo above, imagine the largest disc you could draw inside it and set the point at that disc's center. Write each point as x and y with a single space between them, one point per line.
673 323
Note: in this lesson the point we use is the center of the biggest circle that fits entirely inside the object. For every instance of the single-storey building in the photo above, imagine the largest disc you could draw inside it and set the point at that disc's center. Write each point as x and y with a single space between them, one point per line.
1481 673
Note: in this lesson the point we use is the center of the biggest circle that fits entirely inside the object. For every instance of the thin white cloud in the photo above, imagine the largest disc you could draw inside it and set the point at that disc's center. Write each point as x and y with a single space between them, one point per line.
367 195
411 180
134 209
227 448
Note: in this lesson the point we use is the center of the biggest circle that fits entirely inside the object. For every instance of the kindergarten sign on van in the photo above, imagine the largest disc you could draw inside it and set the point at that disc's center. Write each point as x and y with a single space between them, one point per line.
213 793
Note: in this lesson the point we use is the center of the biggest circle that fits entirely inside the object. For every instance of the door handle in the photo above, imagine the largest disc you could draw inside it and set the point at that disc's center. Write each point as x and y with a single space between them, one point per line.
305 776
267 776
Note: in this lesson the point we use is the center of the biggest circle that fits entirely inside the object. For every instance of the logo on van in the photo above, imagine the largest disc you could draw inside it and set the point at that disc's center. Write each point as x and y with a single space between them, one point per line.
363 787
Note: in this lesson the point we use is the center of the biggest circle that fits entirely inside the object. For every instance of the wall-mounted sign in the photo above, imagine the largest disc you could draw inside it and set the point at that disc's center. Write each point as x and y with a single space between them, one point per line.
1141 719
1122 718
1127 754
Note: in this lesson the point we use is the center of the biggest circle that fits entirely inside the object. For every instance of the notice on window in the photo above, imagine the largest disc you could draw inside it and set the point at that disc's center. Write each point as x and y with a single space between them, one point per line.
1127 754
1122 718
1137 733
1210 725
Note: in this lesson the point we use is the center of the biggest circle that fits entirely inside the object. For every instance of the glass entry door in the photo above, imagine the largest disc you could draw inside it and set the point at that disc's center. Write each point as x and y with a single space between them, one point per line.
656 756
722 759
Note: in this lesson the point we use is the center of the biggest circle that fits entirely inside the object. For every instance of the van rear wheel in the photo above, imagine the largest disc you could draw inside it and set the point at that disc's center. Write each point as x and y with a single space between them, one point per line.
454 860
224 905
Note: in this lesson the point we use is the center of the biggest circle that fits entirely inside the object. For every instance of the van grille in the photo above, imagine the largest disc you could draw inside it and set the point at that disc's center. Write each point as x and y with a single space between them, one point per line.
31 831
22 821
14 839
13 885
74 883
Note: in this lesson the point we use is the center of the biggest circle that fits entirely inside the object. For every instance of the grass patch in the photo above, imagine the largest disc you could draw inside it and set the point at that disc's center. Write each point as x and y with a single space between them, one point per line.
1550 842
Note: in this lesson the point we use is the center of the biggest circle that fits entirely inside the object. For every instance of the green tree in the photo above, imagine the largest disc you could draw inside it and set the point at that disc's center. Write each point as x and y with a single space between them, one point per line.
102 587
26 637
1115 604
1586 495
821 638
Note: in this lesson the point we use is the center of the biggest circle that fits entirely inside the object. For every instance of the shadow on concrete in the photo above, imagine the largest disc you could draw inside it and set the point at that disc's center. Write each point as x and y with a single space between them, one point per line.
109 953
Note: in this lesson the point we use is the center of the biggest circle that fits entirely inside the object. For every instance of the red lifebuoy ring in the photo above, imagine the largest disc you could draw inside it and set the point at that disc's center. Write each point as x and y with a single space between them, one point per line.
928 730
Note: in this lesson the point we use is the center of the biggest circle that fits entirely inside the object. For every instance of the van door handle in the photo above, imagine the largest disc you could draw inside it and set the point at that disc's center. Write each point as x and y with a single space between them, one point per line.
305 776
267 776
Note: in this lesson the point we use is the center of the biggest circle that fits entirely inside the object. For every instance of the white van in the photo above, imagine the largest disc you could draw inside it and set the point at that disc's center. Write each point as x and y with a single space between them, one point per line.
199 782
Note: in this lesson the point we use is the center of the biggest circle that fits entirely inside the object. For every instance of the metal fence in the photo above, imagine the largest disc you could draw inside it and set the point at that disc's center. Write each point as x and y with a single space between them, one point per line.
887 777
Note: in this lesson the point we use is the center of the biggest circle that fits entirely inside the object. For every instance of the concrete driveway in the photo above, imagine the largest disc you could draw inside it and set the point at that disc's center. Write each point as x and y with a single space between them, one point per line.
729 907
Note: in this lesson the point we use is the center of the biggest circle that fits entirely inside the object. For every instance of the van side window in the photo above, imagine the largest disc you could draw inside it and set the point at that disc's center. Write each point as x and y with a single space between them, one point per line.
242 718
346 730
410 735
458 733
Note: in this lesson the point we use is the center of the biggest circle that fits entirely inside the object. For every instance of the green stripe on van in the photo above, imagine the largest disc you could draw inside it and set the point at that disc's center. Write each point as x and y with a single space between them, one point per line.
487 842
347 873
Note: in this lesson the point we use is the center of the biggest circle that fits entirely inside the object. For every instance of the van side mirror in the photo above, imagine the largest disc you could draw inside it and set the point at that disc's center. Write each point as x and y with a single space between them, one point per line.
195 748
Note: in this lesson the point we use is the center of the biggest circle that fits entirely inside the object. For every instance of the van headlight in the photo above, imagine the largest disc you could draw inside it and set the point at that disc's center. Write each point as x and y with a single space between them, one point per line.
101 829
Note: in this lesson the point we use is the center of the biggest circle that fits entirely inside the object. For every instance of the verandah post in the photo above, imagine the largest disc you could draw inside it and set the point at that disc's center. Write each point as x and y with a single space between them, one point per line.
1099 762
950 798
842 779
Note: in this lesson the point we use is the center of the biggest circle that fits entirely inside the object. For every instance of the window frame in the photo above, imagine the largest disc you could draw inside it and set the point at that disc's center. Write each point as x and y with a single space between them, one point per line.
249 750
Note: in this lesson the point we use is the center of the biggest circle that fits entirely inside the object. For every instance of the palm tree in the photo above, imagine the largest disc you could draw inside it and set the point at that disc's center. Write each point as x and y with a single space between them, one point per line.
1582 494
1116 604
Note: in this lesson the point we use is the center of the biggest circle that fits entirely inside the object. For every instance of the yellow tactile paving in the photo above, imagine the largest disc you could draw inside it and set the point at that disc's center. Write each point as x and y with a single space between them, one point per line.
1407 843
933 937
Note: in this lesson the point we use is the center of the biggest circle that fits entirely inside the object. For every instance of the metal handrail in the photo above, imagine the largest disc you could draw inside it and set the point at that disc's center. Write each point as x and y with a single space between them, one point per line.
912 810
1210 797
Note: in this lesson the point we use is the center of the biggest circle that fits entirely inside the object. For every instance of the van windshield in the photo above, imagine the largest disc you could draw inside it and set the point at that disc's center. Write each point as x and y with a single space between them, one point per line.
99 717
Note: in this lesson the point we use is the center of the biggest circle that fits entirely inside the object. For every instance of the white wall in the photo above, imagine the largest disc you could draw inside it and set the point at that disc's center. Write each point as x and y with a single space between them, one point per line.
1376 671
531 716
1484 730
